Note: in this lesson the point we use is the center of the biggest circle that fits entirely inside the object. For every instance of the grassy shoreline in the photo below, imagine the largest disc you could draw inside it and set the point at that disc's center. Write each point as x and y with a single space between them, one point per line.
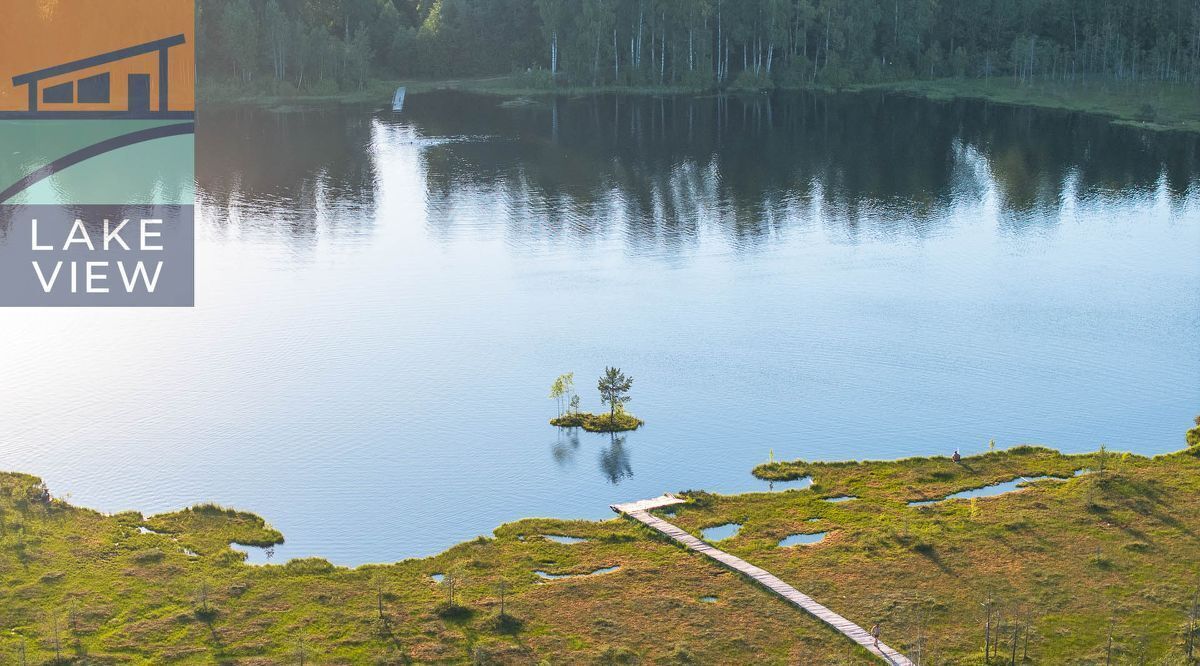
1150 106
1063 558
380 91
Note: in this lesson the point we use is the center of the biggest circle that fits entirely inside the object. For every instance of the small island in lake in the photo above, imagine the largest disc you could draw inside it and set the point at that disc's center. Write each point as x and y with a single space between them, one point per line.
614 388
598 422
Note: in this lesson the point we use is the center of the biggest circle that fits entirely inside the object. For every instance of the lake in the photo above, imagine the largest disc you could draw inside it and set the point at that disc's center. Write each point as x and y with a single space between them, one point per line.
383 301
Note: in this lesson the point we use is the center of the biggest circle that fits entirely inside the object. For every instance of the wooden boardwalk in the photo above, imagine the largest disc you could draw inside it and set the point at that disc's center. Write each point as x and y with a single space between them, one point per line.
639 511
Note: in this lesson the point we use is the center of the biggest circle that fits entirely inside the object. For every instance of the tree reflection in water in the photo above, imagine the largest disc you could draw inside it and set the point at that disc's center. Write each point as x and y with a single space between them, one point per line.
657 172
566 446
614 460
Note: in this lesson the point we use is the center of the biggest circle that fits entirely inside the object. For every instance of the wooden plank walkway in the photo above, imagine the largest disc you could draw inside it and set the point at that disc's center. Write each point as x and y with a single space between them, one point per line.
639 511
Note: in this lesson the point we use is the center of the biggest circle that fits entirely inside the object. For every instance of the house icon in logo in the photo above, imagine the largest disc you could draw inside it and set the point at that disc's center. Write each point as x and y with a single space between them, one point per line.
82 89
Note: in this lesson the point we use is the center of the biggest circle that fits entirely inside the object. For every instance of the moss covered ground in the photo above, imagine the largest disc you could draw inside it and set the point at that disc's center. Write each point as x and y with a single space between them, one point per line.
619 422
1065 563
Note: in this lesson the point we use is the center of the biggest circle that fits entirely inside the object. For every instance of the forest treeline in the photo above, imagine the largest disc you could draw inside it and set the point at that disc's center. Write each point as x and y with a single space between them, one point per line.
341 44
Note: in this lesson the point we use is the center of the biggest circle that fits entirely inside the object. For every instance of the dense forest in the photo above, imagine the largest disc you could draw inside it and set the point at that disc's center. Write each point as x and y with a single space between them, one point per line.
329 44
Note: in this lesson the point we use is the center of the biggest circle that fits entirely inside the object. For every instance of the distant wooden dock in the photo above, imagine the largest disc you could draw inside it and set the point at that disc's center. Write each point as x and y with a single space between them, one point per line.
639 511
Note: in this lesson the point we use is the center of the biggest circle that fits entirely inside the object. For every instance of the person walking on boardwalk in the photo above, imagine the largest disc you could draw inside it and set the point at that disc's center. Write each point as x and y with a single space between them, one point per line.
875 634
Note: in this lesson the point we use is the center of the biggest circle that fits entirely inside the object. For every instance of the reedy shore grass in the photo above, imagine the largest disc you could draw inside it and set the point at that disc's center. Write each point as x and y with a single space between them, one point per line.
1070 558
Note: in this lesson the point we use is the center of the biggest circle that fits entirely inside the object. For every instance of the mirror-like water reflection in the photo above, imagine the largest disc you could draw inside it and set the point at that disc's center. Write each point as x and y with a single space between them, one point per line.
383 301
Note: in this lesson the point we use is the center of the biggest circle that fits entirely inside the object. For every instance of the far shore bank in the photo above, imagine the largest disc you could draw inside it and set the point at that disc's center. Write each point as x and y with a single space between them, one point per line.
1149 106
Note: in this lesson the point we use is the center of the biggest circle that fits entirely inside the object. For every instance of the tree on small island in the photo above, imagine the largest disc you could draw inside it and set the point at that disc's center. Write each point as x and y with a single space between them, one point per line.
563 391
614 390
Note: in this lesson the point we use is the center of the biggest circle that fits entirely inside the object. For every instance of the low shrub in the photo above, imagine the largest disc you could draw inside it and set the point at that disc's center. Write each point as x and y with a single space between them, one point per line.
207 614
506 623
448 611
1137 547
535 78
794 74
748 81
1100 561
148 556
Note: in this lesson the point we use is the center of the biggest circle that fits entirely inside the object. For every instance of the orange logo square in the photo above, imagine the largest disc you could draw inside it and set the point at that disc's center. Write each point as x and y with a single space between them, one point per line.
97 59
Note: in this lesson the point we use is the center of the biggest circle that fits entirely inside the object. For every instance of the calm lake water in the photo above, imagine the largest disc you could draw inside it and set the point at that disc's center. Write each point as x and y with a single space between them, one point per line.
383 301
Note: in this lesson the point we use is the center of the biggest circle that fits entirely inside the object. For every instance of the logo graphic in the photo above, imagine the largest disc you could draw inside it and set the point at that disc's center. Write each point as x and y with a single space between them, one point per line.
97 119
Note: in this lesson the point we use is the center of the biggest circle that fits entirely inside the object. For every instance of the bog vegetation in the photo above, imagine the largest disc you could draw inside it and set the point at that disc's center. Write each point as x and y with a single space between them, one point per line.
1094 568
330 44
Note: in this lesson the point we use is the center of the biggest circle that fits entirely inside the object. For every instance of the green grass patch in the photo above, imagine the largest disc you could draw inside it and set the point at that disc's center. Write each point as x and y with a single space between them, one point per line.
1153 106
1060 555
208 528
606 422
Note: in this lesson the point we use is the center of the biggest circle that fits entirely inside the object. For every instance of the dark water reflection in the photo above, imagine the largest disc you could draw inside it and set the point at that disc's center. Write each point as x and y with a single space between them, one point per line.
885 162
657 168
383 301
614 457
566 446
287 167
